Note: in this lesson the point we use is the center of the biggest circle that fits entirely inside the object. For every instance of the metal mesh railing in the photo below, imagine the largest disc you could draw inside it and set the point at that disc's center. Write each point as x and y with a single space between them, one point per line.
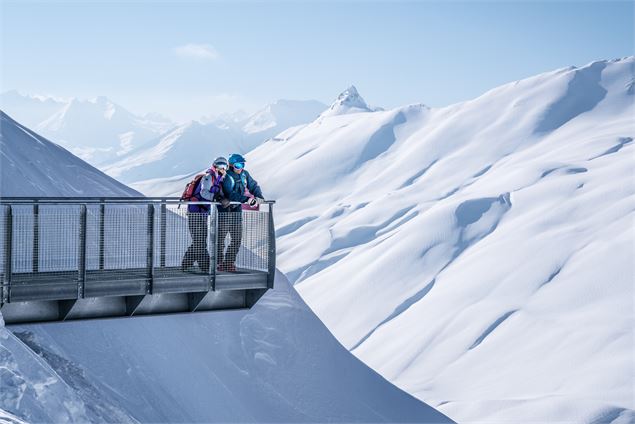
254 253
154 238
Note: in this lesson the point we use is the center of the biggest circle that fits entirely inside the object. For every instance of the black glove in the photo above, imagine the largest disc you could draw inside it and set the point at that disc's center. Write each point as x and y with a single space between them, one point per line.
225 202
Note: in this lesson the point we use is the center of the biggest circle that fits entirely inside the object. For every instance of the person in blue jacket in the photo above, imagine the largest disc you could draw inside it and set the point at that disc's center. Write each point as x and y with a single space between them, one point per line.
209 189
235 184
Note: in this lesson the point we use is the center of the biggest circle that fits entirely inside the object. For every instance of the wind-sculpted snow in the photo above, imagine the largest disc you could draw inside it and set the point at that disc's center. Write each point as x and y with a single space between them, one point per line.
274 363
479 256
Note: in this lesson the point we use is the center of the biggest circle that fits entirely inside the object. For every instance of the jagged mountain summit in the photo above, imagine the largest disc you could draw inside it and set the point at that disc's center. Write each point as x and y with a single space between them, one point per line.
348 101
480 255
31 165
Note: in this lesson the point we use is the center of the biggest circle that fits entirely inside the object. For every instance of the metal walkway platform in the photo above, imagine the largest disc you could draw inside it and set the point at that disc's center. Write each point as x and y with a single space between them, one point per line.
66 259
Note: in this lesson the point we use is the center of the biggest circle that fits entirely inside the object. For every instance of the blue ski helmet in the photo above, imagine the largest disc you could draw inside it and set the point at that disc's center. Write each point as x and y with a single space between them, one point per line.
236 158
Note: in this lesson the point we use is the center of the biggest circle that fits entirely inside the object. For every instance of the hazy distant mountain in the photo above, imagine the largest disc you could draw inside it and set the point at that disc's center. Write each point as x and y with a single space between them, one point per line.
187 148
95 130
30 110
31 165
193 146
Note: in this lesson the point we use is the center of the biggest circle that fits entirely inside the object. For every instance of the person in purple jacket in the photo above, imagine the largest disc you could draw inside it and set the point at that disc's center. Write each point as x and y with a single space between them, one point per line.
210 189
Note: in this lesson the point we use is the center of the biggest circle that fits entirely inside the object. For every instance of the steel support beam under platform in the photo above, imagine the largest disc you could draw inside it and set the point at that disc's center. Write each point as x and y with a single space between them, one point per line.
36 298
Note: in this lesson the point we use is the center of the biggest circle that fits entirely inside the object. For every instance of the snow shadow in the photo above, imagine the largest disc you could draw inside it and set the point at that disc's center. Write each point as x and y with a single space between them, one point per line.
491 328
621 142
401 308
294 226
418 175
380 141
583 93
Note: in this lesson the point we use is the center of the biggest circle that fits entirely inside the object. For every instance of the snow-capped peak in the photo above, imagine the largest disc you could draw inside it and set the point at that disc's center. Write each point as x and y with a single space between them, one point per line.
351 98
349 101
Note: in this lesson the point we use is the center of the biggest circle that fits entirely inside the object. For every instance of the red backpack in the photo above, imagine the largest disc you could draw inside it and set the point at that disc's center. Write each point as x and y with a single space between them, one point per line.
190 188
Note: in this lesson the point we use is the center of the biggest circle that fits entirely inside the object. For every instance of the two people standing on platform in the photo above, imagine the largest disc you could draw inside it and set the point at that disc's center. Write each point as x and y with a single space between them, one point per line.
225 182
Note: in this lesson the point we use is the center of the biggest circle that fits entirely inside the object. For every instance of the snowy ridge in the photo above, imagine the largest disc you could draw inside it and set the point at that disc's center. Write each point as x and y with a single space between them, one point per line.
280 115
479 256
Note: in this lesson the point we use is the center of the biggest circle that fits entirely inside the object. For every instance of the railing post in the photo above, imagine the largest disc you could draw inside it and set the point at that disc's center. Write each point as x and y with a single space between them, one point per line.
271 249
102 227
81 277
150 251
213 214
8 245
163 233
36 238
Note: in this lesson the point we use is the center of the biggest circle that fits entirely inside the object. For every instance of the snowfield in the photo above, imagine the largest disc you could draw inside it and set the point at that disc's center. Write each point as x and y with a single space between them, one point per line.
274 363
480 256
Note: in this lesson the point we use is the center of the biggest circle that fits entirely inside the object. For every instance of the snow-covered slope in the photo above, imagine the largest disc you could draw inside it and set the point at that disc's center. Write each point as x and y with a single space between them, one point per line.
95 130
274 363
30 165
479 256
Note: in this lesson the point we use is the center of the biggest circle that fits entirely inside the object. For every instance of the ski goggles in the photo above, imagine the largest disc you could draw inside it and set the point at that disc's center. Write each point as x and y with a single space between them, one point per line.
220 166
239 165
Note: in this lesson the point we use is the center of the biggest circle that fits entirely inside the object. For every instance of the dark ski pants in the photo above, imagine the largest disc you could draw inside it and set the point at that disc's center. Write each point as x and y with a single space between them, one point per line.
232 223
197 252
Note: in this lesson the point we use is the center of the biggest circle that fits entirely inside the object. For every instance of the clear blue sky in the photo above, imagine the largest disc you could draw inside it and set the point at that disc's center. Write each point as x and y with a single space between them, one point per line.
188 59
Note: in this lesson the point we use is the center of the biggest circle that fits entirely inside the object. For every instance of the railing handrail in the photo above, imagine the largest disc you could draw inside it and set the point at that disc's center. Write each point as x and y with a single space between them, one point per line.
106 200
